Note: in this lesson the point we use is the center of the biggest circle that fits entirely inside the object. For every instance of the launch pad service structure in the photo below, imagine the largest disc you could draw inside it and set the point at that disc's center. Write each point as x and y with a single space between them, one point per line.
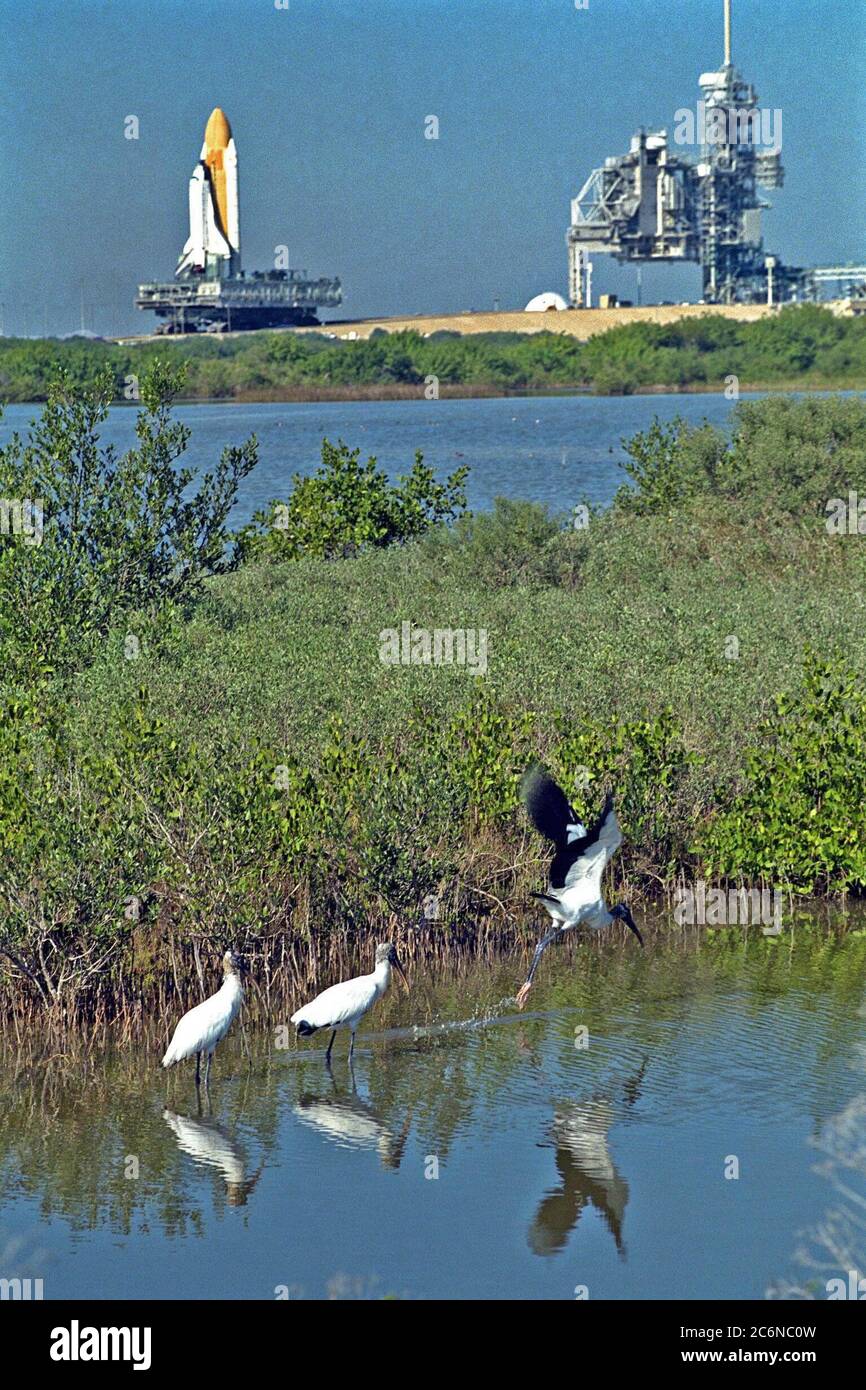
210 291
657 204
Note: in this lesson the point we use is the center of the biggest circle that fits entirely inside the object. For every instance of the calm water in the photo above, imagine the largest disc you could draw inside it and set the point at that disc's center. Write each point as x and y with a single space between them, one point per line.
558 1166
555 449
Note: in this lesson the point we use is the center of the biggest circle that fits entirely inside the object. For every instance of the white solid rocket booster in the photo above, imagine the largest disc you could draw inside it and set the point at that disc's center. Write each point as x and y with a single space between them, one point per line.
214 244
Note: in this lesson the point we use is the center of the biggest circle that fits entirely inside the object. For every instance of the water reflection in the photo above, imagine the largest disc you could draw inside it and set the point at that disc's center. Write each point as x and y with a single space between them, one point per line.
587 1171
346 1119
202 1138
832 1257
542 1150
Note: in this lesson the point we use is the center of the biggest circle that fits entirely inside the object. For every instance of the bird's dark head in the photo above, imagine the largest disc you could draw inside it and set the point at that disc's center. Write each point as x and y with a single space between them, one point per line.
387 954
622 912
234 963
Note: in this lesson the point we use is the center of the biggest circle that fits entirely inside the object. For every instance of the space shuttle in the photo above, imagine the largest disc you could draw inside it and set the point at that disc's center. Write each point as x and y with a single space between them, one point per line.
213 249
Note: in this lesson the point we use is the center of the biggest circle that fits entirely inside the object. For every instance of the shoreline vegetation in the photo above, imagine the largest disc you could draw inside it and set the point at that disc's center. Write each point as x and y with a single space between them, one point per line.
121 1013
202 745
803 348
306 395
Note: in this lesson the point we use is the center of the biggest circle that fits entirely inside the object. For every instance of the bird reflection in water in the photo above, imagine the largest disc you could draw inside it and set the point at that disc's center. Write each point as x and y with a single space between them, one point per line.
208 1142
348 1120
589 1176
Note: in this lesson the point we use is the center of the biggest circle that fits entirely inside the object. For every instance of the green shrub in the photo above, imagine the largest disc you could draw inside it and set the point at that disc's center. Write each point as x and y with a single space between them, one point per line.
118 536
786 457
668 465
799 817
791 456
348 506
148 830
516 543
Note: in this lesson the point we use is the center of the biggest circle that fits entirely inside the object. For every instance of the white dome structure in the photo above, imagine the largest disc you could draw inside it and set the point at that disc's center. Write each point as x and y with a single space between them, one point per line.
542 302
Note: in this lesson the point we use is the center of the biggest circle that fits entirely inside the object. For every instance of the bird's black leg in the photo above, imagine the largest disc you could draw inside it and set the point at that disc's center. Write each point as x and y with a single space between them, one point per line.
330 1045
555 935
198 1069
352 1046
207 1071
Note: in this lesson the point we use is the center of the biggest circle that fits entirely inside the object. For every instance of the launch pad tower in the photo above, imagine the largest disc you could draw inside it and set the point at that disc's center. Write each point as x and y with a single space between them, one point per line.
658 204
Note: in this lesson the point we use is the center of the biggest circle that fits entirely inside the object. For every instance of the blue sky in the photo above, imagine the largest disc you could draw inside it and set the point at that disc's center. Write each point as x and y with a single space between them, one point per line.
327 100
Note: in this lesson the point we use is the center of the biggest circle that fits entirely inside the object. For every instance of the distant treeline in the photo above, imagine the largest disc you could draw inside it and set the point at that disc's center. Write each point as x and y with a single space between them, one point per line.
803 344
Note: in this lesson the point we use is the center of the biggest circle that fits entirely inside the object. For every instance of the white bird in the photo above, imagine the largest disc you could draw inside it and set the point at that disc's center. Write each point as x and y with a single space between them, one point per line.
207 1024
344 1005
573 896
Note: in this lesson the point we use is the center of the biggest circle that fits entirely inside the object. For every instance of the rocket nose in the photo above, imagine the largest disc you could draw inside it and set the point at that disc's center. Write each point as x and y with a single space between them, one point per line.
218 132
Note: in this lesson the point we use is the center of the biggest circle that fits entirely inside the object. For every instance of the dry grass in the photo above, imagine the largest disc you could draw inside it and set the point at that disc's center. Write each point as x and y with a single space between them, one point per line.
576 323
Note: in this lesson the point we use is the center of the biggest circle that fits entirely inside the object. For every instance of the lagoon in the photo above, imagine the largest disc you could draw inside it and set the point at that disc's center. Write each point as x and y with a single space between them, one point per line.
558 450
705 1134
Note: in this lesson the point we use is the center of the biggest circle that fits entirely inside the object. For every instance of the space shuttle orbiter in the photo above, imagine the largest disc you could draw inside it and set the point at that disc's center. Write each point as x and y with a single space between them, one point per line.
214 245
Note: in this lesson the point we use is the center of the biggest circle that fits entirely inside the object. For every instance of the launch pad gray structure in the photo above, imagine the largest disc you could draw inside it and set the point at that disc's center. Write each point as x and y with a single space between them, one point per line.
657 204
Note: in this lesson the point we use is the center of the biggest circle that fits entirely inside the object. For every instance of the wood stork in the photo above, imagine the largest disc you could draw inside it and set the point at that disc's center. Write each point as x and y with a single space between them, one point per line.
344 1005
207 1024
573 897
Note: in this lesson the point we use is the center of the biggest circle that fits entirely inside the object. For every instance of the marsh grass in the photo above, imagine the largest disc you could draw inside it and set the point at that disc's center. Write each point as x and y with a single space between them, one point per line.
44 1052
257 777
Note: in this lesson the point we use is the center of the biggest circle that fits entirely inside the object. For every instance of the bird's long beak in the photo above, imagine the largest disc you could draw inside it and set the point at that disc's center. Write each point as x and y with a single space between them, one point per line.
402 975
632 926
